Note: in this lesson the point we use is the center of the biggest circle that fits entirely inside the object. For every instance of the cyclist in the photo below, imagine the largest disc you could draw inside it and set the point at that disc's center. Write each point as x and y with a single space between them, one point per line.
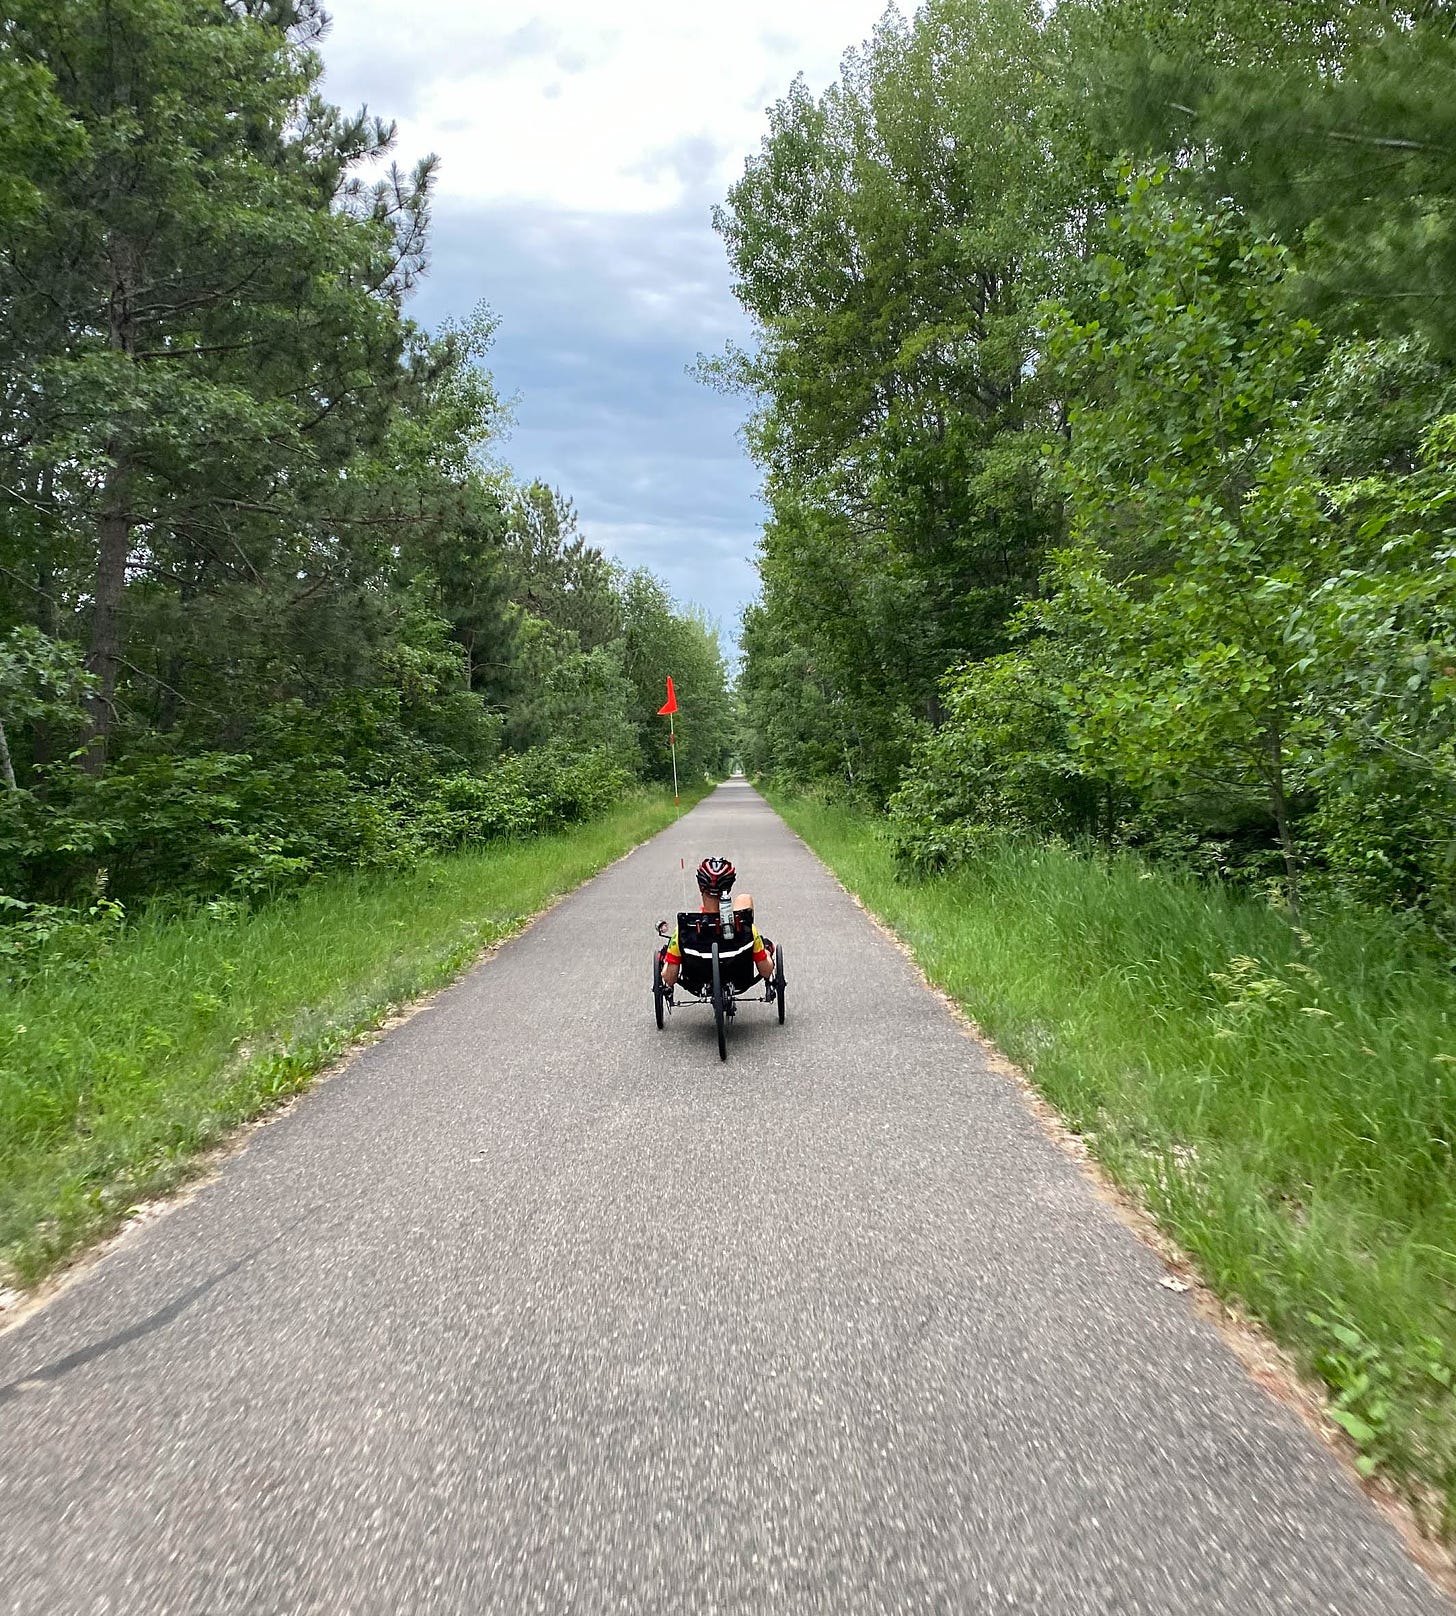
715 881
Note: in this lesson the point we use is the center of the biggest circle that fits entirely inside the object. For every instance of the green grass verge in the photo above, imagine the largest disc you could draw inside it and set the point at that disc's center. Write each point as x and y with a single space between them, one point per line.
1284 1104
115 1074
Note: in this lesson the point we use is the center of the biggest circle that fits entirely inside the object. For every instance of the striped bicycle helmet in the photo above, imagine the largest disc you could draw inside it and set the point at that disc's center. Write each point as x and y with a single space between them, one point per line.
716 877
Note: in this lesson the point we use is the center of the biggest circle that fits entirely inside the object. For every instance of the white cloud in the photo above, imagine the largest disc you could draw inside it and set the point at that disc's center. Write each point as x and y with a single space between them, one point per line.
581 146
549 102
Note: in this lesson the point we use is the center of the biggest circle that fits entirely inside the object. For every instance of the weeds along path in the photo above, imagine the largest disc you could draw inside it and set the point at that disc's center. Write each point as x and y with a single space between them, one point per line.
538 1308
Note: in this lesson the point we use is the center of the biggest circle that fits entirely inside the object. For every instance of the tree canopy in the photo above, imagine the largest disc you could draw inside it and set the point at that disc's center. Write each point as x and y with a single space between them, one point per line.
1102 369
266 590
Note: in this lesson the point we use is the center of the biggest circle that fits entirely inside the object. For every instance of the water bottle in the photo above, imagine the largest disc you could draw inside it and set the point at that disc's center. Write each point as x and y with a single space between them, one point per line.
725 914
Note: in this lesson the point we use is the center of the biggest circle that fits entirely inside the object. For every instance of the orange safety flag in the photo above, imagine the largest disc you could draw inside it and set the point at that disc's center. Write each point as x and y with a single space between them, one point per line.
670 705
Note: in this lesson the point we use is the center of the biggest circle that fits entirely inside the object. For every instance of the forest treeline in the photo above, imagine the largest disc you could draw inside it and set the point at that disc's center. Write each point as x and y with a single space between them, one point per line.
268 601
1103 369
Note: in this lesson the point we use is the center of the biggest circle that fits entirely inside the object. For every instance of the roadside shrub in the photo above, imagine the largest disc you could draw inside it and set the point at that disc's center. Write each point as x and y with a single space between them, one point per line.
182 829
1385 838
226 825
195 827
999 765
58 935
524 795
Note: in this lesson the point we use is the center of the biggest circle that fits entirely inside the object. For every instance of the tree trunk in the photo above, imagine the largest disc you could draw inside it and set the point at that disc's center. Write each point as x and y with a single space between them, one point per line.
43 743
104 657
113 532
1291 864
7 769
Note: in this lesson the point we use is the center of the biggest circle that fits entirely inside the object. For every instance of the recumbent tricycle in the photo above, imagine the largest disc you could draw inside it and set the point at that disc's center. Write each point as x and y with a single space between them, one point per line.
717 967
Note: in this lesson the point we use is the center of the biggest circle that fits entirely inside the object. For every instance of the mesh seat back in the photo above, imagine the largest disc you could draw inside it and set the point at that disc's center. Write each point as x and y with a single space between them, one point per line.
698 931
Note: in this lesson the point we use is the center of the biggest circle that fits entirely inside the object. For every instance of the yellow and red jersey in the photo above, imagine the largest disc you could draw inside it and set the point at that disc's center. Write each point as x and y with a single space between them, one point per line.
674 948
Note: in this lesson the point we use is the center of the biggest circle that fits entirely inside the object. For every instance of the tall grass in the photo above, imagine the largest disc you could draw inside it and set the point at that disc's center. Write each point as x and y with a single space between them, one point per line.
1283 1102
116 1071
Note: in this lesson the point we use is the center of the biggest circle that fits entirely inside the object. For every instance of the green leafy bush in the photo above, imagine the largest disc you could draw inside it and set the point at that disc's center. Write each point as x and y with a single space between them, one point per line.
186 829
194 827
32 933
999 764
523 795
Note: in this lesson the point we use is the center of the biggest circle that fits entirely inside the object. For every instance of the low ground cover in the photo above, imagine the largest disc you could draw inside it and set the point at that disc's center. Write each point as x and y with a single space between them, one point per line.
118 1066
1282 1101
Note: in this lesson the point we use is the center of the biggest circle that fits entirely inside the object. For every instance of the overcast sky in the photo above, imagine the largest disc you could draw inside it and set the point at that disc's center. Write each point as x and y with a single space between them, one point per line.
582 147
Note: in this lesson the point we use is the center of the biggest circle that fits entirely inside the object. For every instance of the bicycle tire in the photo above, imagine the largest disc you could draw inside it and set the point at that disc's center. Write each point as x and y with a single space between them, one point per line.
720 1012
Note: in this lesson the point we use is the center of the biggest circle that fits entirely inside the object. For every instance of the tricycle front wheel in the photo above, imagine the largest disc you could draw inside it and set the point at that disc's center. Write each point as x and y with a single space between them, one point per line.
720 1008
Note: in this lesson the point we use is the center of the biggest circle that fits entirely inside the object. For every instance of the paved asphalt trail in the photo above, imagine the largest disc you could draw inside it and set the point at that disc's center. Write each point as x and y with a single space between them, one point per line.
537 1309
